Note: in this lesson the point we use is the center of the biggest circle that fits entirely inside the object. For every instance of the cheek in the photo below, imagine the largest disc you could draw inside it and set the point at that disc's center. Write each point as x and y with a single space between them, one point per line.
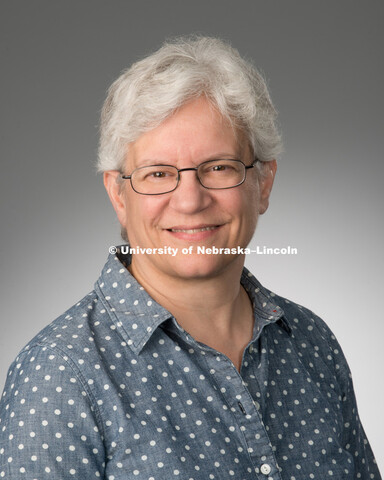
143 210
240 202
251 199
251 209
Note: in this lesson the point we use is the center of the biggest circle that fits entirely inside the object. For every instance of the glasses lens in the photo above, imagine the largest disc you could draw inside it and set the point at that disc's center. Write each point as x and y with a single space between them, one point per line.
154 179
221 173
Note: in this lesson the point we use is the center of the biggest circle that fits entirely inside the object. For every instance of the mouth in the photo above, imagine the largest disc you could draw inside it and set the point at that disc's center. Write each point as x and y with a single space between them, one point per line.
192 230
193 233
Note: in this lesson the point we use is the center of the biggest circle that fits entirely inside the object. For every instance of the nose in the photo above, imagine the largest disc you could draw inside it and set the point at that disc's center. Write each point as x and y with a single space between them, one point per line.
190 196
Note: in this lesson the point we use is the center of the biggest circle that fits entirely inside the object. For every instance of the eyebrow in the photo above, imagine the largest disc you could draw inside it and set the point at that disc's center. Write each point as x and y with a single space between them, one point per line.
218 156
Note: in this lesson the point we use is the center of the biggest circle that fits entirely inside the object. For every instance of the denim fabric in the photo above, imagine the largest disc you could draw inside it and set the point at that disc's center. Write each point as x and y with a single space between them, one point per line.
116 389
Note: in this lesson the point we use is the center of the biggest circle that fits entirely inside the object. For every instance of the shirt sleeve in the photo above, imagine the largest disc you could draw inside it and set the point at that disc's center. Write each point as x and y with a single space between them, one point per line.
48 423
354 438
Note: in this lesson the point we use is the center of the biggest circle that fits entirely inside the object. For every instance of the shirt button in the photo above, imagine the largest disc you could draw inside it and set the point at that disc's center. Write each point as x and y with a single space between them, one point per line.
265 469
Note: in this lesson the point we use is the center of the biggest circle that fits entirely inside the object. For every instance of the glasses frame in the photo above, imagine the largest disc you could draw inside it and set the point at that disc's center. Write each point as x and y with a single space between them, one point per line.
196 169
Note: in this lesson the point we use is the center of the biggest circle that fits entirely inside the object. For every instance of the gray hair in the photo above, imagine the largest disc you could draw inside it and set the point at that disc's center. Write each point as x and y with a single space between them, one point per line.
181 70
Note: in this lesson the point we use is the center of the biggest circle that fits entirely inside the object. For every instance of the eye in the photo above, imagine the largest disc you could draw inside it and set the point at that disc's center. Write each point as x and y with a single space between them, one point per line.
219 168
158 174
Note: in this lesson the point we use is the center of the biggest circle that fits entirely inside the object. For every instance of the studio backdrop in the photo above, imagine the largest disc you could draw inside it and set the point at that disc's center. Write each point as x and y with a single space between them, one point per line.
323 63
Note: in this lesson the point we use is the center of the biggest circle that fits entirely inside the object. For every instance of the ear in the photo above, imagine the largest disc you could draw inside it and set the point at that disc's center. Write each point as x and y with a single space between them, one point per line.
266 182
116 194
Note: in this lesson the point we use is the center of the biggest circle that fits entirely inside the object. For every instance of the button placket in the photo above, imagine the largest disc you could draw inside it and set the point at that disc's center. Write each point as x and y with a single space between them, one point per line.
244 411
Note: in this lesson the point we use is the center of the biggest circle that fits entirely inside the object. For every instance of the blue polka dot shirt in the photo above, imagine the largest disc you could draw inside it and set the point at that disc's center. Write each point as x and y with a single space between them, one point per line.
116 389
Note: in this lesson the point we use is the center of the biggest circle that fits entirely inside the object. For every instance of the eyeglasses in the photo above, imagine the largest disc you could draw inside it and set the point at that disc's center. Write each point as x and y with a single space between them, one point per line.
213 174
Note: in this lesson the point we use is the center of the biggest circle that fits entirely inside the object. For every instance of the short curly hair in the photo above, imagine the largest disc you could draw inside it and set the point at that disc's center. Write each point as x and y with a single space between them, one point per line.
183 69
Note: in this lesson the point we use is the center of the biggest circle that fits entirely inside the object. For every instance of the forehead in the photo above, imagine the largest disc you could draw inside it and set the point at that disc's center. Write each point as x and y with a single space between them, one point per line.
194 133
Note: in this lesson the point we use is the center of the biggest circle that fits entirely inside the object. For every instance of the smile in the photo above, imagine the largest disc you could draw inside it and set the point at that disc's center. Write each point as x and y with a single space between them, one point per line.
192 230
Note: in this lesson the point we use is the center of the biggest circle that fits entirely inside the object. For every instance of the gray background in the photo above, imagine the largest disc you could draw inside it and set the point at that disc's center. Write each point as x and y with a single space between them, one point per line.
323 61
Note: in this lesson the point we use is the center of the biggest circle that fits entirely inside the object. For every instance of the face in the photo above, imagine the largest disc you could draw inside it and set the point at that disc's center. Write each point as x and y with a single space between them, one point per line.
191 215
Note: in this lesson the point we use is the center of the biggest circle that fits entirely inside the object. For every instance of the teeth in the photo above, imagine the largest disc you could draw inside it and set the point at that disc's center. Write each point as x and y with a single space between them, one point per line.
193 230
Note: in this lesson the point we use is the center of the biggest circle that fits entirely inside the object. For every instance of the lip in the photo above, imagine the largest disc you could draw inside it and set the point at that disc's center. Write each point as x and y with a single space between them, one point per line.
193 232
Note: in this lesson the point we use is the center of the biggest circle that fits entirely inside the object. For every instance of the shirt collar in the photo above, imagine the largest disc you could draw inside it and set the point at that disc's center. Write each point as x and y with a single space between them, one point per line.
265 306
136 315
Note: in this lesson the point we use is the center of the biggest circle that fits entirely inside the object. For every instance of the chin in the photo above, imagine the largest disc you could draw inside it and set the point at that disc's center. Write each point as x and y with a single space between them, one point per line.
202 266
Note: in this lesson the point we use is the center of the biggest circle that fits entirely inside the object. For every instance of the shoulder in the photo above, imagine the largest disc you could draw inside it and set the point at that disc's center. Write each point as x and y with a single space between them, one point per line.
303 321
67 347
55 367
48 396
72 331
312 337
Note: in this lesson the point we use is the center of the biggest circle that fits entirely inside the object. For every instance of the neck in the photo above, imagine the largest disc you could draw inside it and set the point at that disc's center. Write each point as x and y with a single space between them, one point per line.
215 310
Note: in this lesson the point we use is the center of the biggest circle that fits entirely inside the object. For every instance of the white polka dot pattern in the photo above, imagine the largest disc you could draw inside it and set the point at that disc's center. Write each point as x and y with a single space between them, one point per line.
116 389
